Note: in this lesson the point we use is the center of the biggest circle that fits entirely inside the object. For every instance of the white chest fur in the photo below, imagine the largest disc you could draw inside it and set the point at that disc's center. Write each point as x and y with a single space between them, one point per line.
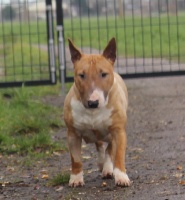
87 120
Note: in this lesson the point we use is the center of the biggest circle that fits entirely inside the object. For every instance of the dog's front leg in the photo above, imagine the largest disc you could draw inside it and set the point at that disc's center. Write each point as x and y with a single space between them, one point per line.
74 143
119 147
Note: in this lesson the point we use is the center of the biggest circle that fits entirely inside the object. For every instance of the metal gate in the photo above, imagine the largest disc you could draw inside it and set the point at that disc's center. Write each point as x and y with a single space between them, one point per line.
27 51
150 34
150 37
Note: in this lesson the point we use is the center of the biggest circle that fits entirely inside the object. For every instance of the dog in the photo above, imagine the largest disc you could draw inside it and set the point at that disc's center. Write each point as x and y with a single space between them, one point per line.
95 111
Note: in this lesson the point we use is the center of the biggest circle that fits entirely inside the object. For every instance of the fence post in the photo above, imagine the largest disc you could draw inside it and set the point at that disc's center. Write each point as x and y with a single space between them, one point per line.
61 51
50 33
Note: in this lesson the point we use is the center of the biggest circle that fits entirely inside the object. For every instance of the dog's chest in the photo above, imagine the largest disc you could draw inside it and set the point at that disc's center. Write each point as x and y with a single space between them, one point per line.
89 121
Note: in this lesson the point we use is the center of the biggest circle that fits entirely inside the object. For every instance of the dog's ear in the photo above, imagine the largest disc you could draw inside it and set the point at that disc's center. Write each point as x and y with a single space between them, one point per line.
75 53
110 50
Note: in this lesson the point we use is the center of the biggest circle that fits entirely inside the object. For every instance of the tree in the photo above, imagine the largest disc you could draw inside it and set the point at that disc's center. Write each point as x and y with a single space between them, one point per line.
8 13
82 6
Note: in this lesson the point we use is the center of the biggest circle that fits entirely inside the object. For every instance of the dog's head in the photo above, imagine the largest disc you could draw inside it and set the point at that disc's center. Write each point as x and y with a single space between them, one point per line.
93 74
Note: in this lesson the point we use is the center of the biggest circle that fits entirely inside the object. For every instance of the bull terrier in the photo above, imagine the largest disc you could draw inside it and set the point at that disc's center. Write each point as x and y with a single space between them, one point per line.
95 111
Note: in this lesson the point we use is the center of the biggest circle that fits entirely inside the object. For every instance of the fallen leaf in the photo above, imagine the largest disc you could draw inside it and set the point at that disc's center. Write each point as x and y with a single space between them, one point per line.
58 189
178 175
86 157
104 184
92 170
81 193
4 184
179 167
44 171
10 169
45 176
182 182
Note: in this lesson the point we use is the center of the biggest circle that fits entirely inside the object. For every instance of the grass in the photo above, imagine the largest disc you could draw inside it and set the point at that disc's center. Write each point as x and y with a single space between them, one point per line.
24 62
27 125
136 36
60 179
21 57
14 31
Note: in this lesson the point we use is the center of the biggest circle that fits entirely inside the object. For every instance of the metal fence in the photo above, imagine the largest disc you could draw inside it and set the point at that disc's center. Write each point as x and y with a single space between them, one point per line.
150 37
27 53
150 34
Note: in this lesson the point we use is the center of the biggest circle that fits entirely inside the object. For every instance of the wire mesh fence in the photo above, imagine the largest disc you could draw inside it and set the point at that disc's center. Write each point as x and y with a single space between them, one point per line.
23 43
149 33
150 36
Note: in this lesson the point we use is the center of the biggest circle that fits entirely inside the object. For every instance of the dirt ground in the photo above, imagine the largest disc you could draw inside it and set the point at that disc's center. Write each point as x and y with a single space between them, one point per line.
155 152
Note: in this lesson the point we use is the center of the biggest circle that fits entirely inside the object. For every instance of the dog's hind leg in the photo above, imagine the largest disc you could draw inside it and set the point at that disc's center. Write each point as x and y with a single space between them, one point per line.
108 162
100 146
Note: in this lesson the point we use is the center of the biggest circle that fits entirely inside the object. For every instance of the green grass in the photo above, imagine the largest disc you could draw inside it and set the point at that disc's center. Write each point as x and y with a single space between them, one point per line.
20 52
21 58
59 179
138 37
15 31
24 62
135 37
27 125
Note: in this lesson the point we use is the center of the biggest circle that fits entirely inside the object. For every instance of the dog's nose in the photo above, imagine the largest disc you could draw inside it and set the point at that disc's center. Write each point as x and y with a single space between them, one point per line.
93 104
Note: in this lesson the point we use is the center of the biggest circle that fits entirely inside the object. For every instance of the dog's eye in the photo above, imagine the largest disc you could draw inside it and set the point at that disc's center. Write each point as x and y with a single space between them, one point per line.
82 76
104 74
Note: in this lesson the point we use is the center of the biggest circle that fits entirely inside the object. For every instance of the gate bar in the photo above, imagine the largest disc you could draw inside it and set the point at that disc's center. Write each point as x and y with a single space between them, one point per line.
61 51
51 47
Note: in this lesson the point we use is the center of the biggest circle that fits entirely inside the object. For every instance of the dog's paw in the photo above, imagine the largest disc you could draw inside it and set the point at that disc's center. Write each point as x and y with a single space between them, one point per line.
107 169
100 167
107 175
76 180
121 178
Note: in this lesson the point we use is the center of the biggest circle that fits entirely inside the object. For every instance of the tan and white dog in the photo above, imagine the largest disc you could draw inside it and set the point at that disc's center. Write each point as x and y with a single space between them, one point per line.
95 110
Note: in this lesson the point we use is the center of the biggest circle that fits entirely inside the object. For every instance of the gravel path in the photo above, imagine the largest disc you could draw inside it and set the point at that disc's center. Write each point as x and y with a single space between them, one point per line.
155 152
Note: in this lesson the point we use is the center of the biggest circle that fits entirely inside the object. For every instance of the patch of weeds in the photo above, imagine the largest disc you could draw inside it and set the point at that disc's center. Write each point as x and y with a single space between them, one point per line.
60 179
22 95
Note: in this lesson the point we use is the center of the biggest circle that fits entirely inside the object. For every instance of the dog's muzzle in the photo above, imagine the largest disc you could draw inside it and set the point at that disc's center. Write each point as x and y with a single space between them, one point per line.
93 104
